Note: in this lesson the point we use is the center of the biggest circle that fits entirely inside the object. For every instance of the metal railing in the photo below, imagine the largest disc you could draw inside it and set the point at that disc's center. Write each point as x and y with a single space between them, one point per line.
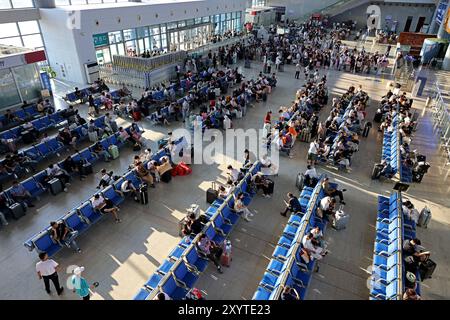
441 119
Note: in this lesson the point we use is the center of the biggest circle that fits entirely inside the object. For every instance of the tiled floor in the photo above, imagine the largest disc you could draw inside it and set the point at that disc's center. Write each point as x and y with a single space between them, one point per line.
122 256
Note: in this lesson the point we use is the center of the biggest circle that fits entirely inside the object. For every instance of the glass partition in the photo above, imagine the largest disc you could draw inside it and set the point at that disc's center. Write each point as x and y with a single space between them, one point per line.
9 95
28 81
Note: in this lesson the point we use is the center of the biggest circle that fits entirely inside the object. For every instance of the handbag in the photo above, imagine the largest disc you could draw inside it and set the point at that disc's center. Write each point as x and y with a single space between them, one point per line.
305 256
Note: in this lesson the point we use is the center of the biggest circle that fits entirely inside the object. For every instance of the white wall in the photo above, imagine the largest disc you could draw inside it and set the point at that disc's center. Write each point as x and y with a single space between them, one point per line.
298 8
61 46
75 47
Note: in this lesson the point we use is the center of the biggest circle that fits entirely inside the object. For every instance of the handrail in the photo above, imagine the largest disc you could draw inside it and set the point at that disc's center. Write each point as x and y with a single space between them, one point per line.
400 246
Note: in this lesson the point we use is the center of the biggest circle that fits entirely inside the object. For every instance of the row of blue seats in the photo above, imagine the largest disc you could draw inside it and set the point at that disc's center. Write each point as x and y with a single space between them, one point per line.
72 97
24 114
180 271
84 216
390 148
52 147
35 184
392 228
286 267
41 124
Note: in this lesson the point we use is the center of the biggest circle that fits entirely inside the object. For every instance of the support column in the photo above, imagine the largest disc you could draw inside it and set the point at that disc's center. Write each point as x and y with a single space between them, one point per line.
446 62
45 4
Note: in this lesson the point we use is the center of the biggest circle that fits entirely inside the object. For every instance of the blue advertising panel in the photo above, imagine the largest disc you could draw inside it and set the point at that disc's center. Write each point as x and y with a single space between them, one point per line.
441 9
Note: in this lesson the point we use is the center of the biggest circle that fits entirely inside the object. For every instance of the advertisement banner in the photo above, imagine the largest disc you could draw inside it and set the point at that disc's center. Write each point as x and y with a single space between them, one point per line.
440 13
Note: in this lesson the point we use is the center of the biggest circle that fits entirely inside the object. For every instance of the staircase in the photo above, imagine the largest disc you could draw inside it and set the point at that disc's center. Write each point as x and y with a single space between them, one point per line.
341 6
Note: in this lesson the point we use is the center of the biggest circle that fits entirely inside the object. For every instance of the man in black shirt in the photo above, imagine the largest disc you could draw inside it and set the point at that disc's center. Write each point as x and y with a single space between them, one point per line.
62 234
292 205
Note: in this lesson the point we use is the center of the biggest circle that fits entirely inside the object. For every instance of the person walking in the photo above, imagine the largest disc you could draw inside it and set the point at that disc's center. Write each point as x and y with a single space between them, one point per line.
47 269
80 285
297 70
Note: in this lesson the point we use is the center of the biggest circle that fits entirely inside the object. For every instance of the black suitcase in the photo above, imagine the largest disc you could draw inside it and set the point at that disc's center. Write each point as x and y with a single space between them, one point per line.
17 211
271 185
426 269
264 96
27 137
378 117
376 171
86 169
56 186
143 194
211 194
247 64
421 158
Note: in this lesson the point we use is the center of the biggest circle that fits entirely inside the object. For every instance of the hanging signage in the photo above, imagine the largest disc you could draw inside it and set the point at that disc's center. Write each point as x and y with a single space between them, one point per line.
440 13
447 22
101 39
45 79
12 61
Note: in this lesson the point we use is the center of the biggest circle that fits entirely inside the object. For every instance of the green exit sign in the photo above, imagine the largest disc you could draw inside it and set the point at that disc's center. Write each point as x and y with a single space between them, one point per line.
100 39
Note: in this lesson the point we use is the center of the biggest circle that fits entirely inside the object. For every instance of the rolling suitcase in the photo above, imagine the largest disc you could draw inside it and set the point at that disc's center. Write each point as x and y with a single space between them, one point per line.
271 185
247 64
212 193
17 211
424 217
113 151
86 169
426 269
143 194
27 137
225 258
300 181
377 118
376 171
93 136
56 186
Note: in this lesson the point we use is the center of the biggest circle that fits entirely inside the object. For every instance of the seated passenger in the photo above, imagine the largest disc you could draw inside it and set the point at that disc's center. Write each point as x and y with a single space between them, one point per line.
105 206
61 233
212 250
21 195
128 189
292 205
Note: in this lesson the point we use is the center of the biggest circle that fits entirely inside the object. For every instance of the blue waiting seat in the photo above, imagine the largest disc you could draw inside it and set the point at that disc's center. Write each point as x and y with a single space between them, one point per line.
134 179
44 150
142 294
74 221
174 289
33 187
89 213
88 156
195 259
153 281
44 243
184 274
55 145
113 195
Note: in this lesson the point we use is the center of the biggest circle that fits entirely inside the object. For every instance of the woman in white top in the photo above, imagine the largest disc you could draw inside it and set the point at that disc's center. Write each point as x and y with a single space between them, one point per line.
314 252
240 207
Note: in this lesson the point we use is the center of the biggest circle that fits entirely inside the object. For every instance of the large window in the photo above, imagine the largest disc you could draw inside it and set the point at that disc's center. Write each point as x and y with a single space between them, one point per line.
259 3
78 2
9 95
21 34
